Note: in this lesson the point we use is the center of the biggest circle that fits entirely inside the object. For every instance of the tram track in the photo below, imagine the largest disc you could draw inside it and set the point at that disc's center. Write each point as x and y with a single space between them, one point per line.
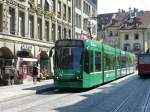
133 100
145 107
31 101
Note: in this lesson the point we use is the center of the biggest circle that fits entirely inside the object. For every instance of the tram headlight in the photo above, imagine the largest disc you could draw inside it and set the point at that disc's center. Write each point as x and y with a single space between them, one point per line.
78 77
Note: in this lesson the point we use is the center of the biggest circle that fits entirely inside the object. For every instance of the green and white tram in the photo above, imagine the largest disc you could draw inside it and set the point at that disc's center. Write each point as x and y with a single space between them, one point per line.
87 63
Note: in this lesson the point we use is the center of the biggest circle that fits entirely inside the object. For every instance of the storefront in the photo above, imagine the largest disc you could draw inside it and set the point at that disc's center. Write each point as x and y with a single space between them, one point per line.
6 60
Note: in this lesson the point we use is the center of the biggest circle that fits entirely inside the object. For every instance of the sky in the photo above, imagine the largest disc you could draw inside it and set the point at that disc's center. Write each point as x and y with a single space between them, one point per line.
108 6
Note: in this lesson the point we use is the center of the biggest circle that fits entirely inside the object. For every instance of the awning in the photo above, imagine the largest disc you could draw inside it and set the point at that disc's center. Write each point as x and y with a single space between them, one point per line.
28 59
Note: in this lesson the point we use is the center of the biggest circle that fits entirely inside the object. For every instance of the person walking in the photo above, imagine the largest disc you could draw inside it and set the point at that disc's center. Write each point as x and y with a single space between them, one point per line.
35 73
12 74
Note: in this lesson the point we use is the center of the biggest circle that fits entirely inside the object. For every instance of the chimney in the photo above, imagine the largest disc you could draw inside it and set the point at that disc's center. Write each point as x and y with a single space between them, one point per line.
119 10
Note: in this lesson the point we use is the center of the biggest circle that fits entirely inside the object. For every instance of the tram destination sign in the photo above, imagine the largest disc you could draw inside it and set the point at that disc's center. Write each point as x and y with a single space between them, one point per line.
69 43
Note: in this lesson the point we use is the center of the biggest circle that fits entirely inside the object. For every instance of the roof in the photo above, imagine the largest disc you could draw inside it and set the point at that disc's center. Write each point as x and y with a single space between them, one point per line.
124 21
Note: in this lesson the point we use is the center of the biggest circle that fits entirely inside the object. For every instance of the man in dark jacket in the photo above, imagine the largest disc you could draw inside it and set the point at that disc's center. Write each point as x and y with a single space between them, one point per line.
35 73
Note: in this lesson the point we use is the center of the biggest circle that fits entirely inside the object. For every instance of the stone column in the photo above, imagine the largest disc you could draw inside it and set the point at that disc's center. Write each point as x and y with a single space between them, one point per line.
16 21
5 17
26 23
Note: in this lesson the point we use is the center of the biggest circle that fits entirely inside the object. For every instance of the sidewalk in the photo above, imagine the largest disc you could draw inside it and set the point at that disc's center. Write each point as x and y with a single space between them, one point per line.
16 91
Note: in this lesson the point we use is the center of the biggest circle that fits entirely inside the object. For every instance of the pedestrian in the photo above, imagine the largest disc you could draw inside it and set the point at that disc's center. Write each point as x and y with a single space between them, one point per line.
35 73
12 74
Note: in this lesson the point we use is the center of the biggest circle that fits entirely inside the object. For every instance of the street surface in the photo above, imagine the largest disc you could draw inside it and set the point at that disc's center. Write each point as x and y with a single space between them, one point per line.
129 94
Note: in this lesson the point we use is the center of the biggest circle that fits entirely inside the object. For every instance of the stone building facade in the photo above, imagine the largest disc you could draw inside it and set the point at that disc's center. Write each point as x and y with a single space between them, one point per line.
28 30
126 30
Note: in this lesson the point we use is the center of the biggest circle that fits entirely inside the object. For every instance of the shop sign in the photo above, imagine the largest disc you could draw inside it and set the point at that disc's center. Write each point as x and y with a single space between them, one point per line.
26 47
43 49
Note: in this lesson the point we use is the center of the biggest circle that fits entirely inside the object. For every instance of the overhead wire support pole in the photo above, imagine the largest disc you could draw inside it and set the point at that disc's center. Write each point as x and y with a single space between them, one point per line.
89 27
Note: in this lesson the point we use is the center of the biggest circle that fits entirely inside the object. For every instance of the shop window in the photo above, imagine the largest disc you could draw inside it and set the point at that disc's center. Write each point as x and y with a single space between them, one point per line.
97 61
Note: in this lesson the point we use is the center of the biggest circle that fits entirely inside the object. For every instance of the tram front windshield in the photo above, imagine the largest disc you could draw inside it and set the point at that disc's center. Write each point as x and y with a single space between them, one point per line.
68 58
144 59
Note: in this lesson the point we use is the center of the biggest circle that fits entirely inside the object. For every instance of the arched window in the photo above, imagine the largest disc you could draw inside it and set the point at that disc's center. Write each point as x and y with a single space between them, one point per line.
126 47
136 47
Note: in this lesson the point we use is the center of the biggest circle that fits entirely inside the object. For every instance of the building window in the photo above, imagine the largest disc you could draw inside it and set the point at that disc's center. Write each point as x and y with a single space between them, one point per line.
39 28
31 27
46 6
1 16
11 21
110 33
136 47
69 34
39 2
78 20
53 5
126 47
65 33
53 32
136 36
64 11
69 14
46 30
21 23
59 9
78 4
86 8
85 23
77 36
126 37
59 33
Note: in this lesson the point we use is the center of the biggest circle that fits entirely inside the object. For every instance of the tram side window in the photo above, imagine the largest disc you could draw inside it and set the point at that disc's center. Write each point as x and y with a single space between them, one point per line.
97 61
123 61
109 62
88 62
117 62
